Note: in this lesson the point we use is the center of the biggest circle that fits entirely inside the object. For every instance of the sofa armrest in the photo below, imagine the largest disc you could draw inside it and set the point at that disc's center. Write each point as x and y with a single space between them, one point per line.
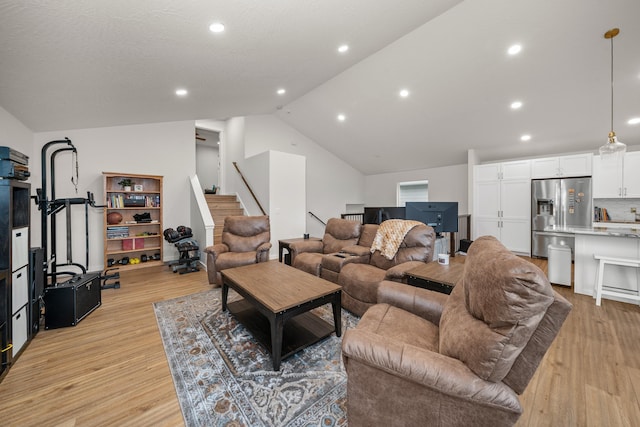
217 249
435 371
357 250
421 302
398 272
305 246
262 252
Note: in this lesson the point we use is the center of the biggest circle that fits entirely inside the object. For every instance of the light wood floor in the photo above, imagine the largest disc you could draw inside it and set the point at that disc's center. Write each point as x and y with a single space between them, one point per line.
111 368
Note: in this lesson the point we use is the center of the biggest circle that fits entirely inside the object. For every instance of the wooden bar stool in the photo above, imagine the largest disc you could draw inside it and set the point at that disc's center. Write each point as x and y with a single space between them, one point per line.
626 262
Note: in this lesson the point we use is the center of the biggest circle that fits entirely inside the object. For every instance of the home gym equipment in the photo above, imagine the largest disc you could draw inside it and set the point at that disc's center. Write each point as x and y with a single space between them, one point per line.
187 247
69 301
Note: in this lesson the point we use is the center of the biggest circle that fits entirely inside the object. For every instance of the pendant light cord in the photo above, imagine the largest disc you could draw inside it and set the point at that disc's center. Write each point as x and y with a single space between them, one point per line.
611 84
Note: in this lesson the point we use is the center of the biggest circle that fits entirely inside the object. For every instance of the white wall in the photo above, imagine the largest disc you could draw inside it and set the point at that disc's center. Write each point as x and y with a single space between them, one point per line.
165 149
331 183
287 209
15 135
446 184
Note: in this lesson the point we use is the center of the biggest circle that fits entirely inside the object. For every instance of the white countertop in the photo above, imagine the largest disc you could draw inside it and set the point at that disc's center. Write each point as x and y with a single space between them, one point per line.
598 231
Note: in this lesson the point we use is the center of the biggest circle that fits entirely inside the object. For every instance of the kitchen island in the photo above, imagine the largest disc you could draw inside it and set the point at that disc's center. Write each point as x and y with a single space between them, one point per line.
622 242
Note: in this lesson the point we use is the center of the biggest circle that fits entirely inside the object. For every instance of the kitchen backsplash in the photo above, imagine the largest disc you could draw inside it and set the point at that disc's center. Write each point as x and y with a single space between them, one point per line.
619 209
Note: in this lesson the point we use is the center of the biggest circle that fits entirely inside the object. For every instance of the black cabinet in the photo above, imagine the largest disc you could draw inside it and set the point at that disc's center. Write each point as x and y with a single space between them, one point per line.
14 258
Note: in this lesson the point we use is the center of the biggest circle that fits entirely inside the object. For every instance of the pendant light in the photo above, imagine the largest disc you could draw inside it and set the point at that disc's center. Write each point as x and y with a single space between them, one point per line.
612 147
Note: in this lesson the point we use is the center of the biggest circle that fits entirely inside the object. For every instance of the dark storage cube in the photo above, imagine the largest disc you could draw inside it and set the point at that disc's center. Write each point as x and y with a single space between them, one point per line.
69 302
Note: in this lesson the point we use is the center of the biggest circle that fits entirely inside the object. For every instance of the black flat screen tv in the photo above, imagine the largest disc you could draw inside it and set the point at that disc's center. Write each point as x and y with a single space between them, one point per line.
380 214
442 216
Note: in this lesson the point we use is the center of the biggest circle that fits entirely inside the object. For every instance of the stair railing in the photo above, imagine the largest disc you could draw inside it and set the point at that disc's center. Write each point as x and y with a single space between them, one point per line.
316 217
249 188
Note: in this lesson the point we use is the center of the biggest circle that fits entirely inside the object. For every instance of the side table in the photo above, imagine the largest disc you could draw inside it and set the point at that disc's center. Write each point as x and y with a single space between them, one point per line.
285 243
435 276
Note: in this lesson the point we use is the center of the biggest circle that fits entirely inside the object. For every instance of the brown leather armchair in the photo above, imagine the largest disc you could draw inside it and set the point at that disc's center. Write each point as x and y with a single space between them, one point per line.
307 255
420 357
245 240
360 281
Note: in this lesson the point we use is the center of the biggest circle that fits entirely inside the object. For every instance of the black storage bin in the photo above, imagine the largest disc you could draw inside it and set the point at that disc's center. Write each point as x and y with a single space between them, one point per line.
69 302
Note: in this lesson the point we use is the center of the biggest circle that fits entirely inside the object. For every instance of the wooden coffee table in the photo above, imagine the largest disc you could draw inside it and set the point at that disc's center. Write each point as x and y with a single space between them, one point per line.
276 305
436 277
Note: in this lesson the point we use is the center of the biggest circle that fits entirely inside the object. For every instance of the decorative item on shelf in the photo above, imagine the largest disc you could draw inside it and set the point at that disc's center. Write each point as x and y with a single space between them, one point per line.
114 218
126 184
613 147
138 187
142 217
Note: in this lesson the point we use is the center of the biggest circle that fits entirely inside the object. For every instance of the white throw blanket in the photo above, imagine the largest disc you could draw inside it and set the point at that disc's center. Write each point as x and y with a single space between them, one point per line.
390 235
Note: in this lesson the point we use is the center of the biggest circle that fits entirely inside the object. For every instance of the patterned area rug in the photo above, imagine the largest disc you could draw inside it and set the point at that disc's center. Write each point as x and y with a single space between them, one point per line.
223 377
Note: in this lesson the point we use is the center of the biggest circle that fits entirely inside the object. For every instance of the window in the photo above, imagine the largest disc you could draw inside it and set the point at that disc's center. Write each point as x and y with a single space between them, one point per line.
412 191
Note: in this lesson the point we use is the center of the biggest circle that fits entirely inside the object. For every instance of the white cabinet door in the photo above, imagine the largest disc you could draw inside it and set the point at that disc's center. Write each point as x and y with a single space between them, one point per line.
545 168
515 235
631 175
487 199
486 227
607 178
520 169
578 165
515 199
483 173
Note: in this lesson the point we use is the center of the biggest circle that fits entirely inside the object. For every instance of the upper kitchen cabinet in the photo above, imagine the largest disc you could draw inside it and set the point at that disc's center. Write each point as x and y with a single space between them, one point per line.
561 167
614 181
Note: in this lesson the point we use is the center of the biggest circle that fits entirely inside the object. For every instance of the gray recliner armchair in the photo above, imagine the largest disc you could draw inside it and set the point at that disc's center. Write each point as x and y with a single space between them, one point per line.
245 240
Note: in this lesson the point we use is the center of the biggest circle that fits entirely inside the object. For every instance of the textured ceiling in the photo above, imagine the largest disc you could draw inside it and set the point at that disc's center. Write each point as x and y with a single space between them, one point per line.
78 64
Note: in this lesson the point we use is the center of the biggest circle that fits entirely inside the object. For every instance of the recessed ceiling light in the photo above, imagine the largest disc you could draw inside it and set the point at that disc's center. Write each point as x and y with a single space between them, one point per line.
216 27
343 48
515 49
281 91
404 93
516 104
181 92
634 121
342 117
525 138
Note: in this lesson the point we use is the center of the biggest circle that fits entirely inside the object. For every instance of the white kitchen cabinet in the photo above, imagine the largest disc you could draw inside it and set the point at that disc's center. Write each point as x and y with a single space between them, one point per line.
561 167
615 178
502 203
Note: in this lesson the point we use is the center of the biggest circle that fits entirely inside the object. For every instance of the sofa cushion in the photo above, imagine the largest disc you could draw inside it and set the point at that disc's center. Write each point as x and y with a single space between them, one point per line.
494 309
245 233
235 259
416 246
309 262
361 281
387 321
340 233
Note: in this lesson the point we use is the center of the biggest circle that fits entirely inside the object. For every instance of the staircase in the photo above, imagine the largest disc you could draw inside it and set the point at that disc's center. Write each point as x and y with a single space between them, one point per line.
222 206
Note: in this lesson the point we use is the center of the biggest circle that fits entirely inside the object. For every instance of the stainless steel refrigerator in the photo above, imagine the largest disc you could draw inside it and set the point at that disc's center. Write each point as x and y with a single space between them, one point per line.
564 202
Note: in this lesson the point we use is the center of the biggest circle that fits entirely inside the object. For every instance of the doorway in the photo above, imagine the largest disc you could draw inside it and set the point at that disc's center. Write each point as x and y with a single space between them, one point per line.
208 158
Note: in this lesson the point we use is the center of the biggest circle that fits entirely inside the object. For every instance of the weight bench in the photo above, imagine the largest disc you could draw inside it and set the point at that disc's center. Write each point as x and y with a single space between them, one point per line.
187 247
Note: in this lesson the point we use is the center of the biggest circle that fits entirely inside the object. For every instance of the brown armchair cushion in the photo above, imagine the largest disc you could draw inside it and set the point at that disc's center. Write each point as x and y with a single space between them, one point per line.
340 233
245 233
493 311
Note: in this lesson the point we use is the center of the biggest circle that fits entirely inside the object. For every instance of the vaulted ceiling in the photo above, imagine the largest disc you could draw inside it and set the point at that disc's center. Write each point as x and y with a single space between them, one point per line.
76 64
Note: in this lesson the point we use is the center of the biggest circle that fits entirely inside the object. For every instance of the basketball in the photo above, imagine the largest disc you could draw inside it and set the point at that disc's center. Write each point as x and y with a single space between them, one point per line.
114 218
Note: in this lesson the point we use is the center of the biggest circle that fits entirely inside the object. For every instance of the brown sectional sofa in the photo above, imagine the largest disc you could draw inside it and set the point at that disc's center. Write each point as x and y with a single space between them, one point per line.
344 257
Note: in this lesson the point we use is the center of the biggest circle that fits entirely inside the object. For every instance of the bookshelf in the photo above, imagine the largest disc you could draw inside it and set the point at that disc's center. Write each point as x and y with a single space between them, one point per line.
132 221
